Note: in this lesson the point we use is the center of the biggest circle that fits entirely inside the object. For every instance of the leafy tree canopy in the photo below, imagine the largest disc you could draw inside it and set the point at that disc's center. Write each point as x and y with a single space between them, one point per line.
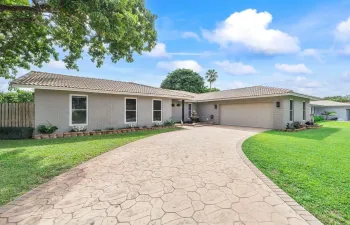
339 98
32 31
186 80
17 96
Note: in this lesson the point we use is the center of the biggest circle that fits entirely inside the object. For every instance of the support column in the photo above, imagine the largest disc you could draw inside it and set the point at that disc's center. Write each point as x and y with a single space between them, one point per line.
183 110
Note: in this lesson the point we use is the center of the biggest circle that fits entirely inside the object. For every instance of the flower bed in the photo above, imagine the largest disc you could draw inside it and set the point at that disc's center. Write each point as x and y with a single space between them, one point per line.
304 127
96 132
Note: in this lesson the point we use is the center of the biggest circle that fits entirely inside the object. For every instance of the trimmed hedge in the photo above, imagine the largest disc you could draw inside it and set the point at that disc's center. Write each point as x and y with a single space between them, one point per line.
16 132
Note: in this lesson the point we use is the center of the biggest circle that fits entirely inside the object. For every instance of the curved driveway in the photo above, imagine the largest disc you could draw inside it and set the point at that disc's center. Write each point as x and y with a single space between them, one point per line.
193 176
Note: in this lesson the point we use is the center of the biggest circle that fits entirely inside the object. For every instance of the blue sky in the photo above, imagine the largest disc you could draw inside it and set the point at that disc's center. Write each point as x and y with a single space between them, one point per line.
301 45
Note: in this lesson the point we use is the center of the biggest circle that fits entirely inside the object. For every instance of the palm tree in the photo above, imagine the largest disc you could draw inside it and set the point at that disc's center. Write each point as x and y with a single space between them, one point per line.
211 76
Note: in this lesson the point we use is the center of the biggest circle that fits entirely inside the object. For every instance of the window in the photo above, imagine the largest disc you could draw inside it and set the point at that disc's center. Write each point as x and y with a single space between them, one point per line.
130 110
78 110
157 110
189 110
291 110
304 111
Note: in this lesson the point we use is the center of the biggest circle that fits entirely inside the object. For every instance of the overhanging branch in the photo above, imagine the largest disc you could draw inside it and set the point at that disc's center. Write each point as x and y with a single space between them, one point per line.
23 8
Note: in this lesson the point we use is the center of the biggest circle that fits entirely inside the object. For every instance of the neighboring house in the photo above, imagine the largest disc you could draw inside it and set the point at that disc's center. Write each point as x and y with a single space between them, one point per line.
97 103
342 110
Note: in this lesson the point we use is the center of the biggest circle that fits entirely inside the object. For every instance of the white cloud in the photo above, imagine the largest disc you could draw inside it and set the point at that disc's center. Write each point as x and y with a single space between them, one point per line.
252 30
190 34
178 64
311 52
56 64
345 50
342 31
297 68
235 68
346 77
158 51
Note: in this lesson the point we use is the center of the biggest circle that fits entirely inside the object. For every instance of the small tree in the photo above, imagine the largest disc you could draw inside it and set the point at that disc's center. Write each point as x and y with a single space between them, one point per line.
211 76
327 114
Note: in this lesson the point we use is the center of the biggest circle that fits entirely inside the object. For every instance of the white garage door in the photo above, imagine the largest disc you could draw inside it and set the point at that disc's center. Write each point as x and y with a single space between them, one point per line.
247 115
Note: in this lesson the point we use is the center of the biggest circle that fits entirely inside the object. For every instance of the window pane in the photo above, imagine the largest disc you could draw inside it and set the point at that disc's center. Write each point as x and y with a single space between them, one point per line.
189 107
303 105
304 115
78 102
291 116
79 117
157 116
291 104
130 116
130 104
157 105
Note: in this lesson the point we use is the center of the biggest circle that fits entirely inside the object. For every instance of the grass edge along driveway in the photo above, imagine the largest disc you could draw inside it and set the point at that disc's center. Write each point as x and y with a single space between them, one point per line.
312 166
25 164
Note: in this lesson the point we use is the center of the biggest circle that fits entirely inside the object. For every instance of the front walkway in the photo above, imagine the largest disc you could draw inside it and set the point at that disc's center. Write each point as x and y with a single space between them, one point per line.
193 176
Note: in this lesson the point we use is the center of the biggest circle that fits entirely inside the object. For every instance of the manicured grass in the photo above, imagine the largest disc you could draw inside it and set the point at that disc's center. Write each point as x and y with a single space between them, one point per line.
24 164
312 166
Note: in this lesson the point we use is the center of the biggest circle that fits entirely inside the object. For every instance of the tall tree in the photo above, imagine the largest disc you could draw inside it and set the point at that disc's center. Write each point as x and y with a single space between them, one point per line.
211 76
185 80
31 32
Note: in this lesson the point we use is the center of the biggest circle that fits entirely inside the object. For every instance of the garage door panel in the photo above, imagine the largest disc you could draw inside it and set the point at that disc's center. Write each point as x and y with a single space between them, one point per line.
248 115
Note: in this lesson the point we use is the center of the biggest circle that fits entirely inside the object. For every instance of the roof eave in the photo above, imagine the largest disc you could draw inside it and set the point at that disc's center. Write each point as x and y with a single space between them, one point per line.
260 96
96 91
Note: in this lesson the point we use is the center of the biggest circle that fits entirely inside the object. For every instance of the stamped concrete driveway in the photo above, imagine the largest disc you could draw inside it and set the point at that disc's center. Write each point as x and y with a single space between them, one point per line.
193 176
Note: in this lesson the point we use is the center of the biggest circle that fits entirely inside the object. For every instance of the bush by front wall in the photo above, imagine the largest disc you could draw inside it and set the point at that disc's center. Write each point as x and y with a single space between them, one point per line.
16 132
318 118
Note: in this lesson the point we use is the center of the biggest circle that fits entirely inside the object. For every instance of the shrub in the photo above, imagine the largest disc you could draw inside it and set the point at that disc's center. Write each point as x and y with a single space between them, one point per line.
334 118
290 126
109 128
296 125
16 132
309 123
78 128
318 118
169 122
47 129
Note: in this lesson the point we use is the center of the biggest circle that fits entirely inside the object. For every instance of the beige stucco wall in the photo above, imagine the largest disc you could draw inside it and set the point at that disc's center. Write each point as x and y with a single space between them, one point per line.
104 110
298 110
281 115
177 110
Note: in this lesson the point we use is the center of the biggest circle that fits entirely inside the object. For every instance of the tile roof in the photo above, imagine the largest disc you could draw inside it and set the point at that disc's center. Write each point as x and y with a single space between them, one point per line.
93 84
329 103
35 78
254 91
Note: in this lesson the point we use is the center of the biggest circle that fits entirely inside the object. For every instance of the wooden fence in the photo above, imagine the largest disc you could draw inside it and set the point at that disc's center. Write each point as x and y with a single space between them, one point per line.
17 114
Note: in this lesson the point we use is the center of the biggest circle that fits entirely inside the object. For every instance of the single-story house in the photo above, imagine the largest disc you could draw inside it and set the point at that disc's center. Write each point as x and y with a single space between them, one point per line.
342 110
66 101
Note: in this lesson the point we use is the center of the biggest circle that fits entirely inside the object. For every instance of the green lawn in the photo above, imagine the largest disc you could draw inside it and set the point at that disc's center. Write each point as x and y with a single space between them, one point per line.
24 164
312 166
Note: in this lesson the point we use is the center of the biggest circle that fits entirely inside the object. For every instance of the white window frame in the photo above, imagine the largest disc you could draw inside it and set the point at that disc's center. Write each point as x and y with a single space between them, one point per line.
188 109
291 110
129 110
304 111
161 110
71 110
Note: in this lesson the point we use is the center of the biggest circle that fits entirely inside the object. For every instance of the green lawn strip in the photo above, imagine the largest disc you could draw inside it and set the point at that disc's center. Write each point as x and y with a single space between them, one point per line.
312 166
25 164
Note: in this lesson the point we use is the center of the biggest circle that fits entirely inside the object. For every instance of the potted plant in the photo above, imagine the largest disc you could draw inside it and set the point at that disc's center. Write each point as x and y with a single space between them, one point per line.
178 104
172 105
46 130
